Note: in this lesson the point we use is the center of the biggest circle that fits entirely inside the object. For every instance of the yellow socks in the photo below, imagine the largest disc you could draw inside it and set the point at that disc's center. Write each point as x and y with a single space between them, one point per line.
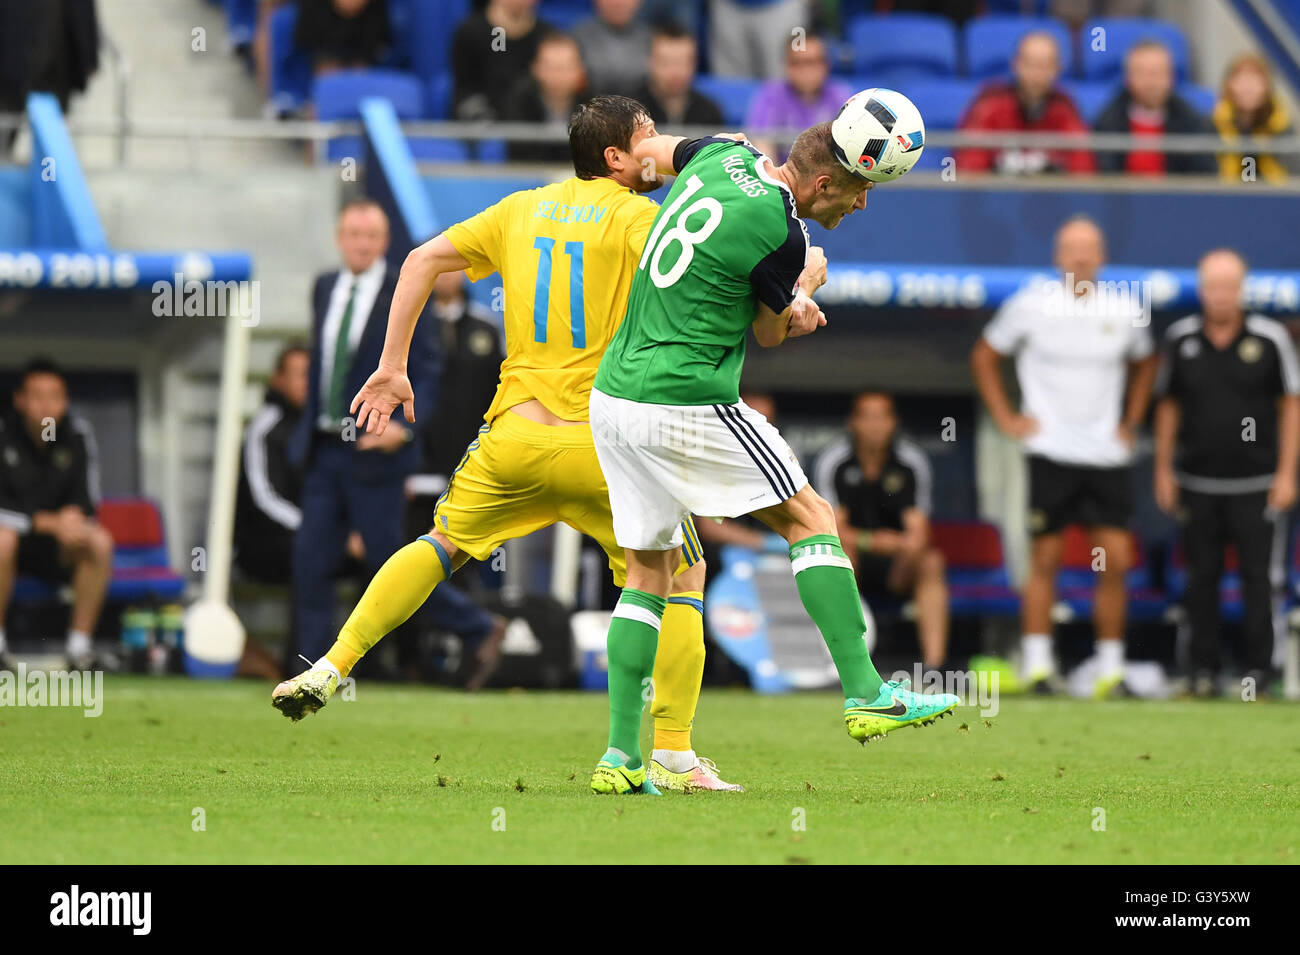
679 667
398 589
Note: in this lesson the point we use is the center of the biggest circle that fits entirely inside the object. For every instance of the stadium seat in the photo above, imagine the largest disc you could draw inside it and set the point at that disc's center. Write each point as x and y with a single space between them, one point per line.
942 102
290 66
437 96
564 14
1077 578
1201 98
241 21
978 585
917 41
432 25
990 43
1104 41
339 95
140 566
400 15
899 78
731 93
1090 98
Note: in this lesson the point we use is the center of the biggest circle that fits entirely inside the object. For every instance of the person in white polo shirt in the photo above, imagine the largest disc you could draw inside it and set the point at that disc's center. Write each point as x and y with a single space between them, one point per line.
1085 362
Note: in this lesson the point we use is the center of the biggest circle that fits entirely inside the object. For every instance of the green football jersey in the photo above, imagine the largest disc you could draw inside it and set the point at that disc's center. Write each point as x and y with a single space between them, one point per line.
726 238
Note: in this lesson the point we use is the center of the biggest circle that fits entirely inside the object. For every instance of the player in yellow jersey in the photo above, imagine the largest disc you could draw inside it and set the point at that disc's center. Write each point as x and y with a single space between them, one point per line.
566 253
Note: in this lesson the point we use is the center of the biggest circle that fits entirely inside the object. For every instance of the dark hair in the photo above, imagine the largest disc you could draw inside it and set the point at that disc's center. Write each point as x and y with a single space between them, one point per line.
866 393
599 123
290 348
40 366
360 203
813 155
671 30
550 35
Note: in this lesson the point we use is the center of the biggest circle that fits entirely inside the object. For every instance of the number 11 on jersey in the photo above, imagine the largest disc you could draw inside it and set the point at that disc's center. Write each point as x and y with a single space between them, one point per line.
542 293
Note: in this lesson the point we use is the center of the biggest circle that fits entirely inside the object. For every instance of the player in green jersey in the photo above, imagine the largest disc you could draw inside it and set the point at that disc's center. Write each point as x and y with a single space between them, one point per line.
727 252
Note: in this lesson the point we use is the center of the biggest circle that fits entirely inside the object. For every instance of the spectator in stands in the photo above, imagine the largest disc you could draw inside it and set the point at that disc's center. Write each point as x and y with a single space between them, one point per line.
491 54
342 34
615 47
805 97
1076 12
1248 106
472 353
548 97
49 488
1148 106
262 43
1074 344
266 509
352 479
1227 445
668 93
879 484
752 37
1030 103
50 46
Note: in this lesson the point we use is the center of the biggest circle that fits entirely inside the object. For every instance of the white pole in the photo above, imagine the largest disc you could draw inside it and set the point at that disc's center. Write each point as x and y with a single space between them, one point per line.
225 471
566 553
214 637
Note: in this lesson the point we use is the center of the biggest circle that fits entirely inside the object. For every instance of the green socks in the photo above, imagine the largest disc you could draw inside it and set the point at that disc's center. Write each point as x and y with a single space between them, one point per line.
631 645
829 593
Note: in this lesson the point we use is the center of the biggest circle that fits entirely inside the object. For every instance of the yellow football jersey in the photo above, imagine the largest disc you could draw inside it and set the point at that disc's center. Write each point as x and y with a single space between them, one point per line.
566 253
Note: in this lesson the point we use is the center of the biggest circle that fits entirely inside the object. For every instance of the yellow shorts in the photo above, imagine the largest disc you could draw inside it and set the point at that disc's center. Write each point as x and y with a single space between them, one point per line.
519 476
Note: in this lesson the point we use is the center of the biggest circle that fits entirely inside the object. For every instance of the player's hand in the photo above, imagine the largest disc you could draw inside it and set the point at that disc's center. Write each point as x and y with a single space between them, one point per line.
1127 435
383 392
1018 426
1166 490
813 276
356 546
1282 494
805 317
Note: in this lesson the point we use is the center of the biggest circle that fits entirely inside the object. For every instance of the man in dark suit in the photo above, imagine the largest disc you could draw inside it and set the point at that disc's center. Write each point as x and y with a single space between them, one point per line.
351 478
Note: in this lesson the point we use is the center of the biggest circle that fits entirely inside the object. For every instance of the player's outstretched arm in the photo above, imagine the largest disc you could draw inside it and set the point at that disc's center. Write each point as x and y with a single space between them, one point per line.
388 387
655 154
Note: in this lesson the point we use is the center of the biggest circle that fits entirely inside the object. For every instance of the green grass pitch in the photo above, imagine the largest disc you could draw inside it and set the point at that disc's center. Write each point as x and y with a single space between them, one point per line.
413 775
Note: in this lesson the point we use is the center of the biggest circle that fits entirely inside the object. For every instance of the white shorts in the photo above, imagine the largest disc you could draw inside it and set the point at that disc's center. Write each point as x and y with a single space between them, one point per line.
663 463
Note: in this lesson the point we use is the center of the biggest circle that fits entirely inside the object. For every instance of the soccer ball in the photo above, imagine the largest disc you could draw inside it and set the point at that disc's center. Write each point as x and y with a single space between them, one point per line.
878 134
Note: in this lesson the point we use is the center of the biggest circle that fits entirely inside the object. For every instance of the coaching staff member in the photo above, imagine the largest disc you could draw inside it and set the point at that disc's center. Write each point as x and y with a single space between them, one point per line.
49 488
1227 438
352 479
1075 343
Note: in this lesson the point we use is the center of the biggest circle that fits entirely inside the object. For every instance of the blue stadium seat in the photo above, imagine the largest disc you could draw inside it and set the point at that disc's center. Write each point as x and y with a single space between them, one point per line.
437 96
425 149
241 21
942 102
732 94
290 66
917 41
339 95
978 585
564 14
1117 36
400 15
990 43
1201 98
1090 98
433 23
899 78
